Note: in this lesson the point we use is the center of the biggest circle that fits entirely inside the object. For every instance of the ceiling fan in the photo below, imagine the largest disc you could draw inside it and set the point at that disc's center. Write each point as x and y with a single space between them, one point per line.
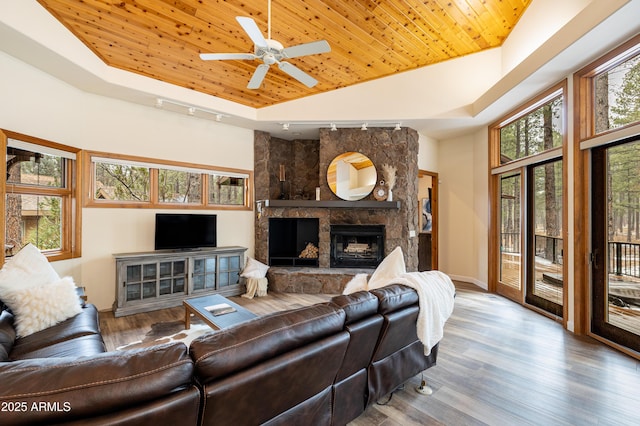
271 52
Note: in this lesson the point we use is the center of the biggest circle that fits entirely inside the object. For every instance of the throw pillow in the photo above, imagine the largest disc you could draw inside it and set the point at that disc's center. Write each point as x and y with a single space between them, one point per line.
37 308
357 283
391 267
254 269
27 268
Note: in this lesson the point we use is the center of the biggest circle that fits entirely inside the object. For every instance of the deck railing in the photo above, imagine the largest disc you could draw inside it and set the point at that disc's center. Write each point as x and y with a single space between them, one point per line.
624 259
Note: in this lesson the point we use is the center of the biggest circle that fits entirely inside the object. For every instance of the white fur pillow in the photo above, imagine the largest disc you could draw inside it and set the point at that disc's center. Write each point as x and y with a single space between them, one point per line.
391 267
27 268
37 308
357 283
254 269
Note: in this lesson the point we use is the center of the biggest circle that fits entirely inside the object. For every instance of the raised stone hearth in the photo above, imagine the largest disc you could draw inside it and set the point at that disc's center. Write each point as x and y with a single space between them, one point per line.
305 163
311 280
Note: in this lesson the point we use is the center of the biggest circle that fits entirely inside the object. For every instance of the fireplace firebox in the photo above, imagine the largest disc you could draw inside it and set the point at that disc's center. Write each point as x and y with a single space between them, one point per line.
356 246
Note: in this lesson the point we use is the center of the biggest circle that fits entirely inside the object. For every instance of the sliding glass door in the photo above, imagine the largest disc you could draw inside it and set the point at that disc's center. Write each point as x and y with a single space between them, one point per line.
615 245
545 282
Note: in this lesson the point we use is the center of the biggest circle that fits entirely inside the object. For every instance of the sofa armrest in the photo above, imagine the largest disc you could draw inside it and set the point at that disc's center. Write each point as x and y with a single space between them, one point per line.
53 390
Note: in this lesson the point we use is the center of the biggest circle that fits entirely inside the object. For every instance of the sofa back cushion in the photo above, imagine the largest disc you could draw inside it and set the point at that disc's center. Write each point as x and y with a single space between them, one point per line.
83 387
224 352
7 335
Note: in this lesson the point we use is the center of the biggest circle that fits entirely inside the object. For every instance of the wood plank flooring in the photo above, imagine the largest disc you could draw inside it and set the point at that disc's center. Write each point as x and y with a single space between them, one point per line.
499 364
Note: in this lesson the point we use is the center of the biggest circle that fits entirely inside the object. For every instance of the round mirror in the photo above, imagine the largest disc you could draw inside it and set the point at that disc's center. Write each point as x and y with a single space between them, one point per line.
352 176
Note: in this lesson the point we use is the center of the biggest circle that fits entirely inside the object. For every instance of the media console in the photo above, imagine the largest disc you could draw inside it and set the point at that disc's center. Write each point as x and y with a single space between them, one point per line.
147 281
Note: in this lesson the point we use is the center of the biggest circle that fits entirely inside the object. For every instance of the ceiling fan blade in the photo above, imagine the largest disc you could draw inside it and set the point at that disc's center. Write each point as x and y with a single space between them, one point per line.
298 74
312 48
225 56
251 28
258 76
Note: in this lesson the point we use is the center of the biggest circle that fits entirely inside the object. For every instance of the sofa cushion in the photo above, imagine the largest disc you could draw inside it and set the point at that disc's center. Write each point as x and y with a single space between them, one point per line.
37 308
226 351
7 335
89 386
357 305
84 324
394 297
79 346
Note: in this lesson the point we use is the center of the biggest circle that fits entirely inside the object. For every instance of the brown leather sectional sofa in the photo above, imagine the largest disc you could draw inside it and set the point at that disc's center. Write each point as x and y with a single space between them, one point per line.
322 365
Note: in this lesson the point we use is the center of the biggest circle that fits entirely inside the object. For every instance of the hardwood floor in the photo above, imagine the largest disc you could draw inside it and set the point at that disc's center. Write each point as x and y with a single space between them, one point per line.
499 364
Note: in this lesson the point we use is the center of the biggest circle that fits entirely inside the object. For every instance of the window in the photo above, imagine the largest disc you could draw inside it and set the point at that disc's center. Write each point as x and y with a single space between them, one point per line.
538 130
617 95
119 181
527 192
39 196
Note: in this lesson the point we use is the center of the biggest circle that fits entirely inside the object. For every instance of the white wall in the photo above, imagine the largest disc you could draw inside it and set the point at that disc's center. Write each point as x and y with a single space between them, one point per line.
463 209
36 104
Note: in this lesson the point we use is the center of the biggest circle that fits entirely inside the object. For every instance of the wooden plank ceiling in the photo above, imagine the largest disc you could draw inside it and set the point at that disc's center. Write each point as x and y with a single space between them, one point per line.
162 39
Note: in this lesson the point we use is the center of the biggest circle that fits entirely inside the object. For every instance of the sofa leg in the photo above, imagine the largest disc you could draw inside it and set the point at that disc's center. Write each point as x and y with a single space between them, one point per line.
423 388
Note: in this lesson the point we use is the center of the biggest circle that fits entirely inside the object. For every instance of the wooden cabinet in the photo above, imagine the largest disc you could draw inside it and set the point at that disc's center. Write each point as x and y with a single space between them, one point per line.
153 280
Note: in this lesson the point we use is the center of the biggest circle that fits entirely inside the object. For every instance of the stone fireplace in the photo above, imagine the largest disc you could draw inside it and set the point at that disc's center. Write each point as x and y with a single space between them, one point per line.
356 246
306 163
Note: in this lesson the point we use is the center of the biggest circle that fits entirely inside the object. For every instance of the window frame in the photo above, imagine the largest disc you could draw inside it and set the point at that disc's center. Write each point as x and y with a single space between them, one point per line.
155 165
70 194
496 169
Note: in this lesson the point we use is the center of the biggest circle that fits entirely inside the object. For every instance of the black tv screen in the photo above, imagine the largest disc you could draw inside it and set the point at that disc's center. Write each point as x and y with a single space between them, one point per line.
185 231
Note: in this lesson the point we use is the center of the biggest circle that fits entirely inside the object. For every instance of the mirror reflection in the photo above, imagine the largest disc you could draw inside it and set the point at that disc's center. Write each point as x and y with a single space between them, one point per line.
352 176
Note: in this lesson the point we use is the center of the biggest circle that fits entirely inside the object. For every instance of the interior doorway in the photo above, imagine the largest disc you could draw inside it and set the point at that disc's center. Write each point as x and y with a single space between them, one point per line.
428 220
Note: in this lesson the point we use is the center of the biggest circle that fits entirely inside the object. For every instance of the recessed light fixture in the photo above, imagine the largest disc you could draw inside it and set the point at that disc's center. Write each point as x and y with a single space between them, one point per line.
364 126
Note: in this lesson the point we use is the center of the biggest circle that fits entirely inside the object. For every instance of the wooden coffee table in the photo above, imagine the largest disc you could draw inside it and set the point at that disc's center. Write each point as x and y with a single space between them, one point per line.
197 305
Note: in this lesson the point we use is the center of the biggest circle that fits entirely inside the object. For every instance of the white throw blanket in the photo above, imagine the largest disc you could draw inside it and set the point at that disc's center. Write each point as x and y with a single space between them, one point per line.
435 296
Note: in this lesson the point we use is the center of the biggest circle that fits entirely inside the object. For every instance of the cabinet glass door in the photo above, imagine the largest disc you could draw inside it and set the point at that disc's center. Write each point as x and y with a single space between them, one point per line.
229 270
204 273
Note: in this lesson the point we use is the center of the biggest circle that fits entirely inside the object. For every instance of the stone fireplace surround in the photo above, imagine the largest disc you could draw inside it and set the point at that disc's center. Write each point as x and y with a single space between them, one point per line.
305 163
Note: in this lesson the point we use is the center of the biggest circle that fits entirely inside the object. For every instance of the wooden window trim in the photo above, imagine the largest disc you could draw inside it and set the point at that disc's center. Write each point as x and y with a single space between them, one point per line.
153 203
70 194
559 89
584 129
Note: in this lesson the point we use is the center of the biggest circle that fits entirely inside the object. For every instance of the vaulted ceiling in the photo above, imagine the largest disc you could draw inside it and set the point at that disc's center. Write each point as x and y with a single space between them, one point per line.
162 39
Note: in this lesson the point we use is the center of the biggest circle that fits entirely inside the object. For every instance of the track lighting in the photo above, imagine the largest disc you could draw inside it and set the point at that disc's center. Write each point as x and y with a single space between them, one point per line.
191 110
364 126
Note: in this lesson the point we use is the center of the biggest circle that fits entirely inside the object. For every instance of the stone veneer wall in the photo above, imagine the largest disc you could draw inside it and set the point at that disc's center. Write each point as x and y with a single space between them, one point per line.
306 163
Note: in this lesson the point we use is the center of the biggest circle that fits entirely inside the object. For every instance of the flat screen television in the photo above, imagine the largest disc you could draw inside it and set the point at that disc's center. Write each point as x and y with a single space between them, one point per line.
182 231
